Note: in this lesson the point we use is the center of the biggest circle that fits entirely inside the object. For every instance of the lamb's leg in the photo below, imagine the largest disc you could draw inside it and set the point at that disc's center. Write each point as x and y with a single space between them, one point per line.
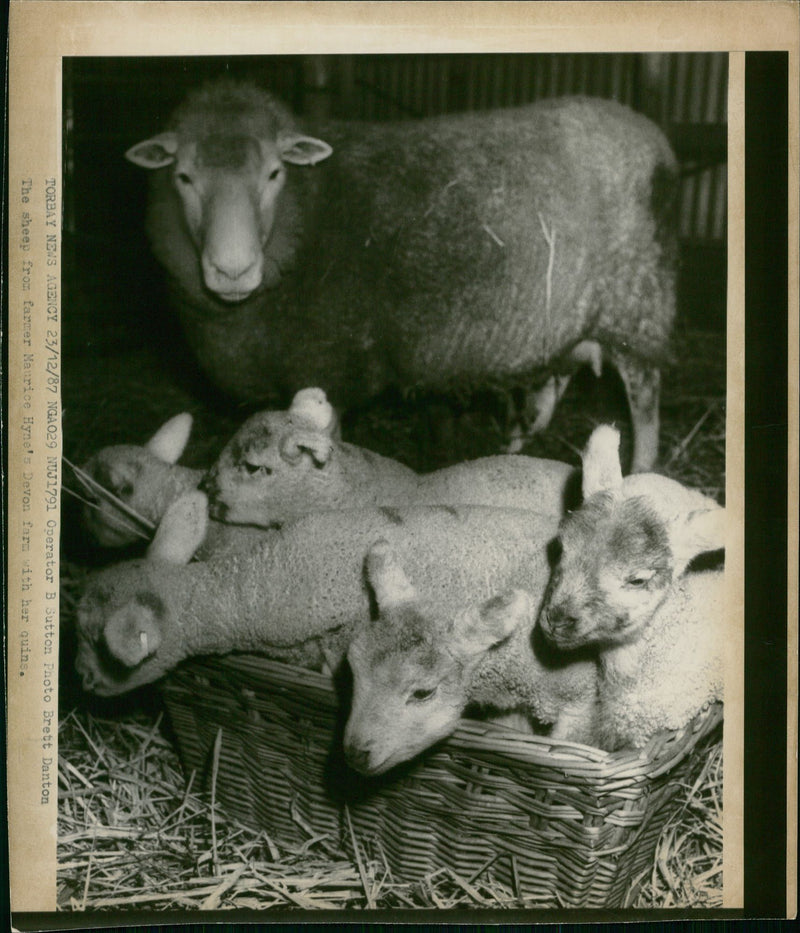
642 386
576 721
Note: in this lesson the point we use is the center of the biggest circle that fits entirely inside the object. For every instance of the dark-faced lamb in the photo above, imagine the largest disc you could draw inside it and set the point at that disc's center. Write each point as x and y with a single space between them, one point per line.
625 585
145 479
502 248
281 465
417 668
297 595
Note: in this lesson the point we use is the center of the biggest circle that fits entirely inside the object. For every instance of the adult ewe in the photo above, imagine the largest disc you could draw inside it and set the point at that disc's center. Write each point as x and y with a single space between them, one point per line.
503 248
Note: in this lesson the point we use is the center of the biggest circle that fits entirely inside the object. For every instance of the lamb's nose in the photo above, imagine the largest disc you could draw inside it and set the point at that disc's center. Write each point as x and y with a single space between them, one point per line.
357 758
208 484
560 618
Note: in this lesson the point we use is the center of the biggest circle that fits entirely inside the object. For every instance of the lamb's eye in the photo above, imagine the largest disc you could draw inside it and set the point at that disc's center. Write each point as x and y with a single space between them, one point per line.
183 178
124 490
418 696
274 174
256 468
637 580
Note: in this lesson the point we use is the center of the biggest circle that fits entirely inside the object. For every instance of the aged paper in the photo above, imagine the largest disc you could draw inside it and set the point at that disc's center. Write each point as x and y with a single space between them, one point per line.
44 34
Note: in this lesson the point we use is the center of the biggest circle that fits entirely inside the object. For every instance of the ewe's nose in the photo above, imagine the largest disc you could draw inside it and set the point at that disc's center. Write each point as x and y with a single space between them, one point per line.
232 276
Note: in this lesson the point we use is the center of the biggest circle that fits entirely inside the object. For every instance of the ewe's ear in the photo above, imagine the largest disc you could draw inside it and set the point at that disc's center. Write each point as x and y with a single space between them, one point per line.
302 150
601 468
296 443
311 407
694 533
478 629
182 529
386 577
132 633
155 152
170 440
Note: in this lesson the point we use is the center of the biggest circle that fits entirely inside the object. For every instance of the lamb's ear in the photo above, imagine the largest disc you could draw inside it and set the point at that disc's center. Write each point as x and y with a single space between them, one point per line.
182 529
317 444
155 152
302 150
694 533
132 633
601 467
479 628
170 440
311 407
386 577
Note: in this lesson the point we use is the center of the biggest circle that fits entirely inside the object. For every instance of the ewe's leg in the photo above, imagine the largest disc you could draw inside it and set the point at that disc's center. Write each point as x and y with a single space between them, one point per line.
537 411
643 386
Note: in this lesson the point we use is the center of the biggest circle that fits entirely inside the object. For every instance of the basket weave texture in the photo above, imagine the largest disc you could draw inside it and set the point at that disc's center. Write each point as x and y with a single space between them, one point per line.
561 824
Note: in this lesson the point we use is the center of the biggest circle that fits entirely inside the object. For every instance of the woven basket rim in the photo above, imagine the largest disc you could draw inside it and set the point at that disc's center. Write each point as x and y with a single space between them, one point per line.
482 737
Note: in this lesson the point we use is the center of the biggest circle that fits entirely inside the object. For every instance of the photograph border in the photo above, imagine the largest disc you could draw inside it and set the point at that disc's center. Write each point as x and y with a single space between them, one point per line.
761 423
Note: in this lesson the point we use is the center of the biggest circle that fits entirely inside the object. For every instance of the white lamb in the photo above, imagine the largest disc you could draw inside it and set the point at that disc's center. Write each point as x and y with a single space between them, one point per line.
281 465
420 665
627 582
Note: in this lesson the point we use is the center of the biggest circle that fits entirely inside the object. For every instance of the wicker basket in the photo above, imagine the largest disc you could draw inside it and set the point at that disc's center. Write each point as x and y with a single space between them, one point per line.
560 824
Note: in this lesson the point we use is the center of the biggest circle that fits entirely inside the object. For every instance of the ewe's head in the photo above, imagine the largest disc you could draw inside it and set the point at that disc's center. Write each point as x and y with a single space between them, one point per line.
227 154
128 634
139 477
412 666
617 557
280 464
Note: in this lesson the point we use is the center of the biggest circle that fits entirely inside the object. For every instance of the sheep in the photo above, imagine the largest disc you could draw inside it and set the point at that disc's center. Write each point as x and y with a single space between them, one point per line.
637 580
417 668
297 594
502 248
283 464
276 469
146 479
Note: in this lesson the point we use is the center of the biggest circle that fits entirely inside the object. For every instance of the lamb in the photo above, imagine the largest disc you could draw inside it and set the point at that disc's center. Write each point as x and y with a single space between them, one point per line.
278 468
146 479
636 582
416 669
298 594
501 248
283 464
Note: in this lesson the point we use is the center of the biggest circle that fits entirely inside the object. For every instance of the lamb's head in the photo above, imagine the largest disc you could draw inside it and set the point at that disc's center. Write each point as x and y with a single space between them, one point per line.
617 557
144 479
278 465
128 630
412 666
227 152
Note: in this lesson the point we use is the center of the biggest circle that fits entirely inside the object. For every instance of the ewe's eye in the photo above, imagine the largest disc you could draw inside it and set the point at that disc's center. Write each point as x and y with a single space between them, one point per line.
183 178
419 696
124 490
274 174
253 469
